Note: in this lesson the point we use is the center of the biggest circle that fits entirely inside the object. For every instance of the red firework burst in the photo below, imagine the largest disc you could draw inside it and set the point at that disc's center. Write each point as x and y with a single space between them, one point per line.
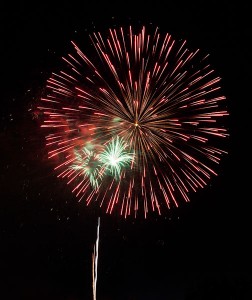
162 99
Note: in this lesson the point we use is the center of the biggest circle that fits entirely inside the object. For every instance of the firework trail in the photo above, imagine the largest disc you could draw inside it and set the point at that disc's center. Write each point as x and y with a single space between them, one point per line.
138 127
95 261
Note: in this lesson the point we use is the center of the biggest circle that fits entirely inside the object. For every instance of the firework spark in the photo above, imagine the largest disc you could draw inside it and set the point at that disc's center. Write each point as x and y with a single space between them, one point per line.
115 158
111 160
152 95
87 162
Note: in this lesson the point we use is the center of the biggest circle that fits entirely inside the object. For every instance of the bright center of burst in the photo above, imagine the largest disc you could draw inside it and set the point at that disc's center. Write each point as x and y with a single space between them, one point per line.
136 124
113 160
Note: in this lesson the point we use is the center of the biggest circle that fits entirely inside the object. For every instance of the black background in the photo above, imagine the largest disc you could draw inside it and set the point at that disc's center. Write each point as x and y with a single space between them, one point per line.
201 250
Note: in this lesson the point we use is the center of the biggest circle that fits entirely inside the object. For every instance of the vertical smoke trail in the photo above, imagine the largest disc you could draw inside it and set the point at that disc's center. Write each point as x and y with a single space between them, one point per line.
95 261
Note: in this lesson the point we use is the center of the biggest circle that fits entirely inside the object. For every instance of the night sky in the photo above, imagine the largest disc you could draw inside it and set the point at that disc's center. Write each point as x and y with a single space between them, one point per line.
201 250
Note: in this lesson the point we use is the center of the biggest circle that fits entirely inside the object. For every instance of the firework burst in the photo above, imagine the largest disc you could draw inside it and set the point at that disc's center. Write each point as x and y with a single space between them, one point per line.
115 157
137 127
86 161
